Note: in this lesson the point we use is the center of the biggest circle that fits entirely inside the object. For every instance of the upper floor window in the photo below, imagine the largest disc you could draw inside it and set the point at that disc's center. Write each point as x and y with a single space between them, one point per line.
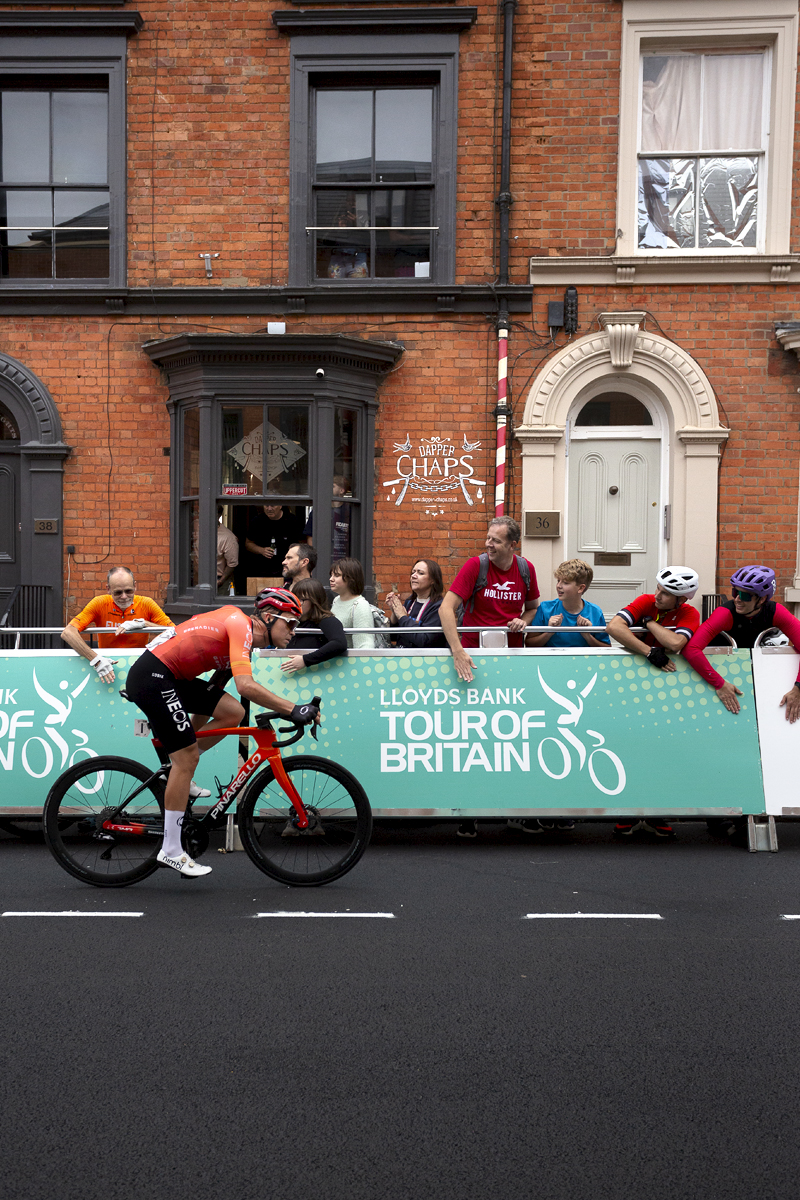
707 117
54 201
373 162
703 150
374 192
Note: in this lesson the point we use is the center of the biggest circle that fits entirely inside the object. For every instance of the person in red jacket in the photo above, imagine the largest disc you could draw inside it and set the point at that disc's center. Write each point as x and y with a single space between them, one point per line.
751 611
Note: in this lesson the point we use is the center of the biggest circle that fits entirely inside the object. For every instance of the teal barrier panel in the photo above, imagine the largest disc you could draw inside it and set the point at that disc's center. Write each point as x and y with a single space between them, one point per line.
536 733
587 734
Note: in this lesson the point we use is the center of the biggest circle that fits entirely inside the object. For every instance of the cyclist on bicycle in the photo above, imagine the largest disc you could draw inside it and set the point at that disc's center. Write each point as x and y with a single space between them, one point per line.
749 613
164 683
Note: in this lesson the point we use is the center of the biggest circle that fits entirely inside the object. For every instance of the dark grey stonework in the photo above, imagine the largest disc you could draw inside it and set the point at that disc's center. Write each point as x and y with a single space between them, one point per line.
203 371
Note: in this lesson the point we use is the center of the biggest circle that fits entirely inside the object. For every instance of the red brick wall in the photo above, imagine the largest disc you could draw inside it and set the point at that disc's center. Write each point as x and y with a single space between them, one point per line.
208 113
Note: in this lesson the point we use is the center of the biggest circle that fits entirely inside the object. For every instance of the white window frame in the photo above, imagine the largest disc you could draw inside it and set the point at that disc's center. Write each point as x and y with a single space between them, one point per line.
718 25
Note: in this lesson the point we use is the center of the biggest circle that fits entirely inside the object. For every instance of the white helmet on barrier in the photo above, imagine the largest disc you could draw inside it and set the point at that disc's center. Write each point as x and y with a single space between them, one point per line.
680 581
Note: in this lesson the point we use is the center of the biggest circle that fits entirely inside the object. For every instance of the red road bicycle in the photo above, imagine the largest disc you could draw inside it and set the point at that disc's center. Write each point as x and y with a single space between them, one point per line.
304 821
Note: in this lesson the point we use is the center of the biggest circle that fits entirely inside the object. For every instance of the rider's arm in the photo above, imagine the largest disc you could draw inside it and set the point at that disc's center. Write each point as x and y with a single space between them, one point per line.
720 621
670 639
248 689
620 630
790 626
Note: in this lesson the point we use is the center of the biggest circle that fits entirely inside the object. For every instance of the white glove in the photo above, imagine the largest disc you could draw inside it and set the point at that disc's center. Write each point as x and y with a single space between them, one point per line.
132 626
104 668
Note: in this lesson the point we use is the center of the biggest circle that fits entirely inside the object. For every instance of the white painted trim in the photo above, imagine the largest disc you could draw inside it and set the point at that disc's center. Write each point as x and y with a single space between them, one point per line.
685 24
679 396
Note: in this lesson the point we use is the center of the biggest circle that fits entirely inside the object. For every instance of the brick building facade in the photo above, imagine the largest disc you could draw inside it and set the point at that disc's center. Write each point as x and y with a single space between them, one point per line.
223 141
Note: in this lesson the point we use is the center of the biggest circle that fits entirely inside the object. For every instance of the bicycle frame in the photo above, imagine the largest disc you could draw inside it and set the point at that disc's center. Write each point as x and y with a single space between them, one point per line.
267 751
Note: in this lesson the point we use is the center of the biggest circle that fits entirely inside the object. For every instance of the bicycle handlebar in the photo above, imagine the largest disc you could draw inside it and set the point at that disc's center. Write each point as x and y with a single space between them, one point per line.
265 719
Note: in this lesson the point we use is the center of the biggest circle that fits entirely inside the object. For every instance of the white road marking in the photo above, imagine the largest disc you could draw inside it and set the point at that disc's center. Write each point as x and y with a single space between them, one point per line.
790 917
324 914
579 916
72 913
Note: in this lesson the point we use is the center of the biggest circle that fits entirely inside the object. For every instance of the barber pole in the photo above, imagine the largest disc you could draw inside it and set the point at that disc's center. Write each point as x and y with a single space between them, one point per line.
502 391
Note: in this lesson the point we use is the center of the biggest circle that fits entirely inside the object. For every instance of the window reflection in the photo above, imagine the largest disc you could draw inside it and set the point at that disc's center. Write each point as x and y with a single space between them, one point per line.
264 449
380 136
58 138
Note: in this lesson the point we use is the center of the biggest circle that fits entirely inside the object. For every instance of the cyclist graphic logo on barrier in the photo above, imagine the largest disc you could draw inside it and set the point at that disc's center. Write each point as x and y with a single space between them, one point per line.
572 715
36 755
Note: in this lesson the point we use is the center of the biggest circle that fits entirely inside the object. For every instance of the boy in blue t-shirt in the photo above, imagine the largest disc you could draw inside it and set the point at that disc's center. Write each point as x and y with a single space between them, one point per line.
573 578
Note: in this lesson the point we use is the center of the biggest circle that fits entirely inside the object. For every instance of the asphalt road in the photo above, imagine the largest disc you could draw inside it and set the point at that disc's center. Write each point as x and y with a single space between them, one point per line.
456 1050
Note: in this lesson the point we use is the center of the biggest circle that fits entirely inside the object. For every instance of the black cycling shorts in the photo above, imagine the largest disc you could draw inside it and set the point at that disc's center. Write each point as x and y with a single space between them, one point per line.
167 701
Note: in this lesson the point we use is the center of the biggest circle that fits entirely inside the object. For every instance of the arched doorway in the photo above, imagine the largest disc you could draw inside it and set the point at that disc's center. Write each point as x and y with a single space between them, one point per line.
614 493
31 473
612 367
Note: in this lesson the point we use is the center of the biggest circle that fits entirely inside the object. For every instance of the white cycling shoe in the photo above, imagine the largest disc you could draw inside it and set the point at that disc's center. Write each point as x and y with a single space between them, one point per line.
184 865
196 792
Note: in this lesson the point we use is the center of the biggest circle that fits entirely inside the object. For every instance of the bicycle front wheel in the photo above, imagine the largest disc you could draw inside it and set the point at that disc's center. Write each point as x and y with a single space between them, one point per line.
340 823
104 821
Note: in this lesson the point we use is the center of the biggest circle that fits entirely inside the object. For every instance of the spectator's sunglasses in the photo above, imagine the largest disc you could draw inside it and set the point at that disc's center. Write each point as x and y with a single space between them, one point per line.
738 594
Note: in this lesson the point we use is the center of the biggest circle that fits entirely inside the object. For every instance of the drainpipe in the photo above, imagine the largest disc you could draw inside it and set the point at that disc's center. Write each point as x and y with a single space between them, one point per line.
504 202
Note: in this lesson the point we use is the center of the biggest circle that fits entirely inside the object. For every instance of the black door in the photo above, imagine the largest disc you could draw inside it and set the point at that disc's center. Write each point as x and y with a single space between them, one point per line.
10 566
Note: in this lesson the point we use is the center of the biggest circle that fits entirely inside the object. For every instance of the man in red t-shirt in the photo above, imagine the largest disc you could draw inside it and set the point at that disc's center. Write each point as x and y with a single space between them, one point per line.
504 600
669 620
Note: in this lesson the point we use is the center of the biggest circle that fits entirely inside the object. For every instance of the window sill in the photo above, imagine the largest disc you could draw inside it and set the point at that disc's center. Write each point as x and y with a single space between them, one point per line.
649 269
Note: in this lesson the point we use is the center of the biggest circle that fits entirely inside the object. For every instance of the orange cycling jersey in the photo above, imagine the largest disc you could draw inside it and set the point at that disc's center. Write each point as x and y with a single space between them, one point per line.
207 643
103 611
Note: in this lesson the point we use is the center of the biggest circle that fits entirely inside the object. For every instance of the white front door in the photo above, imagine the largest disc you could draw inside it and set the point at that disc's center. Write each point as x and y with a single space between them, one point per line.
613 515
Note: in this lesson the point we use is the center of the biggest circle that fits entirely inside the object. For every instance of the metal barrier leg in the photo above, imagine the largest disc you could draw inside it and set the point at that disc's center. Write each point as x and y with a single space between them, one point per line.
232 839
761 835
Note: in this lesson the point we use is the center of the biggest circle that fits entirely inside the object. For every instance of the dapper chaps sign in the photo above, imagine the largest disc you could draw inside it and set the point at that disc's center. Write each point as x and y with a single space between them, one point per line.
436 473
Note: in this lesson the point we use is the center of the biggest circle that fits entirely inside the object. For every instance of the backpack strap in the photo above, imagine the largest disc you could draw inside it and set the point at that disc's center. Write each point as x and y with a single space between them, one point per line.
483 574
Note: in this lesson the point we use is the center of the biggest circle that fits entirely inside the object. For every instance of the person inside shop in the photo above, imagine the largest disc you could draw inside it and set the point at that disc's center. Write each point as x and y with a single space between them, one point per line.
312 648
421 609
227 553
340 521
300 561
349 604
269 532
563 617
130 618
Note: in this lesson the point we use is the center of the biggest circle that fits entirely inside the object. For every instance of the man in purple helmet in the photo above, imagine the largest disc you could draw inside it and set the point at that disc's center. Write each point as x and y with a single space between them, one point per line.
749 613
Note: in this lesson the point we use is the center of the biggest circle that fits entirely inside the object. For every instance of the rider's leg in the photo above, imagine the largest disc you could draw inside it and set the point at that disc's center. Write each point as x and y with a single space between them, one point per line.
227 715
176 796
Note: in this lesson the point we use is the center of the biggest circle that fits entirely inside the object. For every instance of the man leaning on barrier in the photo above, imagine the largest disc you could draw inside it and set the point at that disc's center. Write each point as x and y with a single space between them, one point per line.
670 622
130 619
497 588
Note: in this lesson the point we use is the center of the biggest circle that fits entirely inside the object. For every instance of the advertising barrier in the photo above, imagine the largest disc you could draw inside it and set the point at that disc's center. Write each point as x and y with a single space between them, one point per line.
593 733
774 672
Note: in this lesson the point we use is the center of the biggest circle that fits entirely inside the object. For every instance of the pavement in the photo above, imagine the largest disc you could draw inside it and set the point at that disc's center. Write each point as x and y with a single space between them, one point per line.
457 1050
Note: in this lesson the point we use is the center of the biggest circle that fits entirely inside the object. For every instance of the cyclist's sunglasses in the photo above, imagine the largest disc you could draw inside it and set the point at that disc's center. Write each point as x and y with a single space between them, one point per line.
122 591
292 622
738 594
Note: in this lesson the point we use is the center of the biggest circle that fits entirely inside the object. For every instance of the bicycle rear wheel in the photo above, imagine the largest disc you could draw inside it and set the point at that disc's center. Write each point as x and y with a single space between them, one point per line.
83 798
339 829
